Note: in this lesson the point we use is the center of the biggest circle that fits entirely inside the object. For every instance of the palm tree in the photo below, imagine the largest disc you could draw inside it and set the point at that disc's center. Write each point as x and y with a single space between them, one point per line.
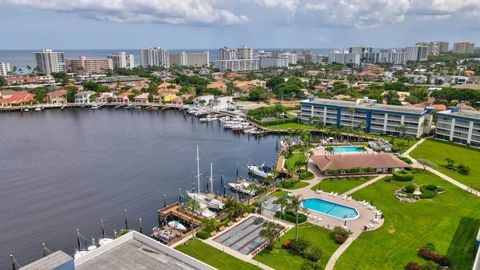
193 206
328 149
295 206
208 224
283 202
251 189
402 129
271 231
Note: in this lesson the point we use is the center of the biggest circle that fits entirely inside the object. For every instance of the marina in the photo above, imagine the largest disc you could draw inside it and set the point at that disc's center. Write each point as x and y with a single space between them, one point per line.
132 170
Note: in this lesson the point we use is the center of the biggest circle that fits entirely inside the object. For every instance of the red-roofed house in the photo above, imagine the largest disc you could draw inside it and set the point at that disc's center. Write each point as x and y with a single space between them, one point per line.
123 97
16 99
57 97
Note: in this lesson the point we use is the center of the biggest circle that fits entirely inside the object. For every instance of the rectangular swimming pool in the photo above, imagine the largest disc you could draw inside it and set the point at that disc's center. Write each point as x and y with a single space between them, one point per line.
348 149
243 237
330 208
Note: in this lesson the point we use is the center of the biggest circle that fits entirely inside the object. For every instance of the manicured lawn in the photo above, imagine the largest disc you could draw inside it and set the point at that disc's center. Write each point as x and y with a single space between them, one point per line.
436 151
299 184
280 193
341 185
463 242
213 256
280 259
409 226
290 126
296 158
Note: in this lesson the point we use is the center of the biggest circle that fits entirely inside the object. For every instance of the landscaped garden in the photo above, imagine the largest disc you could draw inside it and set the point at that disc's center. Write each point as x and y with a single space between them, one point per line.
341 185
213 256
451 159
293 126
436 224
280 258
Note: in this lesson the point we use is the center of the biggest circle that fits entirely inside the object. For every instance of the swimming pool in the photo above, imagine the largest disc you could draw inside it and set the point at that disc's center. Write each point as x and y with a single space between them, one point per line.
348 149
331 209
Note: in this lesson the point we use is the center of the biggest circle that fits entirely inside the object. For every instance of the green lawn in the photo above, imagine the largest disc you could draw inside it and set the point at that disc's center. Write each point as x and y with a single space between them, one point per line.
436 151
290 126
341 185
280 259
299 184
296 157
280 193
409 226
213 256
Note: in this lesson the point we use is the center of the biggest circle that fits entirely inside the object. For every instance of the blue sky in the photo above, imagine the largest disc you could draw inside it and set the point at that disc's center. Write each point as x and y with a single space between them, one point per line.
106 24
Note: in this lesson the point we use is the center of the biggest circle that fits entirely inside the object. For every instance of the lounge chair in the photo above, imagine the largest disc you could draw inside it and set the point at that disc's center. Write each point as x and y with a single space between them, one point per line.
335 194
349 198
344 197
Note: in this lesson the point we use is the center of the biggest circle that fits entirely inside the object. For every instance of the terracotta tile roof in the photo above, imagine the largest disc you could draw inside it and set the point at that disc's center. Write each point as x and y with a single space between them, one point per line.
17 98
58 93
349 161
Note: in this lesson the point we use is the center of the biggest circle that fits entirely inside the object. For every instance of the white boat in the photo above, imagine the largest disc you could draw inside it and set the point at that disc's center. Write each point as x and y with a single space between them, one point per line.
177 225
207 200
261 171
26 110
38 109
162 234
243 187
104 241
79 254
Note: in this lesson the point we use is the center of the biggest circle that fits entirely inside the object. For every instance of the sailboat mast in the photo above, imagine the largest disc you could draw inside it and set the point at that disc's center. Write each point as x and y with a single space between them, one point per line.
211 177
198 170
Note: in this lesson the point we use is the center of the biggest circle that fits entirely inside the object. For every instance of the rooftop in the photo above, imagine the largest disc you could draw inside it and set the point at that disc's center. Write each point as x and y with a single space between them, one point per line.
364 105
134 251
52 261
349 161
464 113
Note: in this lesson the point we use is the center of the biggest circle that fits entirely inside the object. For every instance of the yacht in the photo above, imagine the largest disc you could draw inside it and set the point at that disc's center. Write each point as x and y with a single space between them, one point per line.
261 171
242 186
177 225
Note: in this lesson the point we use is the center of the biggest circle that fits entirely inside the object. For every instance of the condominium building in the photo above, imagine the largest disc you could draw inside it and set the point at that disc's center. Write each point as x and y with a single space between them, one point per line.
360 49
292 57
464 47
275 62
368 115
155 57
89 66
4 69
234 59
345 57
123 60
434 47
459 126
192 59
49 61
417 53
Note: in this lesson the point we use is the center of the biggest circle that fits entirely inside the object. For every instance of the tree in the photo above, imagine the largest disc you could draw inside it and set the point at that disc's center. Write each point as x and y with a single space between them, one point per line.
61 77
2 81
71 91
295 206
271 231
402 129
193 206
40 95
426 163
283 202
251 188
328 149
274 82
391 97
208 224
258 93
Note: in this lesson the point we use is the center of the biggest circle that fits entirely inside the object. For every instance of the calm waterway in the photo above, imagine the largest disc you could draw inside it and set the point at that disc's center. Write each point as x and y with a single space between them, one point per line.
62 170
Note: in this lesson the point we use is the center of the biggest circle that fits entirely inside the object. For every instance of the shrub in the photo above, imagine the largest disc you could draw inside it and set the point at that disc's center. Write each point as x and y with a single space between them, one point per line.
432 255
409 189
306 175
286 244
203 234
339 235
296 246
406 160
312 253
427 194
429 266
288 184
290 217
412 266
307 265
387 179
431 187
403 176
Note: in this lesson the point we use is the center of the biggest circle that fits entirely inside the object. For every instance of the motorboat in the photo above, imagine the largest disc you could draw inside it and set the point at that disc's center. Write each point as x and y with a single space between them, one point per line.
261 171
177 225
79 253
95 107
243 186
206 199
104 241
163 234
38 109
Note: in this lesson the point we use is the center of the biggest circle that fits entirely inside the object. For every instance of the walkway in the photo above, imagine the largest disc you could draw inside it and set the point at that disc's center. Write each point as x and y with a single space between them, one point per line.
333 259
417 164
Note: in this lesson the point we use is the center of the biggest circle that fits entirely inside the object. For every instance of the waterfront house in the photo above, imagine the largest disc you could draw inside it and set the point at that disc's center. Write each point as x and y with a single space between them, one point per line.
376 162
105 98
142 98
83 97
13 99
57 97
123 97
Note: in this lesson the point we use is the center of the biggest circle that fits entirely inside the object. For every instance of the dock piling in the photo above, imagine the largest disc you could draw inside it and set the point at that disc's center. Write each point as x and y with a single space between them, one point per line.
78 240
126 220
103 228
44 250
141 226
164 200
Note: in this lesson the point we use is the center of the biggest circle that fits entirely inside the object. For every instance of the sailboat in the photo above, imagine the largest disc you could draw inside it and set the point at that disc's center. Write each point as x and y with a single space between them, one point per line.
206 200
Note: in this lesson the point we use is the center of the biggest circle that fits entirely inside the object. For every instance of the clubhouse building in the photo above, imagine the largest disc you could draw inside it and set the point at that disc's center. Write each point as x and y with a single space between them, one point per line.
368 115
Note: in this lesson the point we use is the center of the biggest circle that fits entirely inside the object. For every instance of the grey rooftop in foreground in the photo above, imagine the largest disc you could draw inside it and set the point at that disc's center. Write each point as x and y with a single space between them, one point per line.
134 251
56 260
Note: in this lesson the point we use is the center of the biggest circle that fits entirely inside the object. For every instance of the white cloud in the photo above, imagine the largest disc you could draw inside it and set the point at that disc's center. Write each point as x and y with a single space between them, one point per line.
144 11
289 5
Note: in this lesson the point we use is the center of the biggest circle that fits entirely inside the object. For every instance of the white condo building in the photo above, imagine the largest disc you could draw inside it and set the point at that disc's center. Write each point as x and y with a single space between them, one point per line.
155 57
463 47
49 61
4 69
292 57
459 126
123 60
192 59
275 62
234 59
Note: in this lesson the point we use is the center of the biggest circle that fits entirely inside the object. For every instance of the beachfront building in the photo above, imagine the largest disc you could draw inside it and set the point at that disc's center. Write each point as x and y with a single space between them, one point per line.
155 57
236 59
4 69
464 47
191 59
459 126
83 97
57 97
358 163
49 61
83 65
368 115
122 60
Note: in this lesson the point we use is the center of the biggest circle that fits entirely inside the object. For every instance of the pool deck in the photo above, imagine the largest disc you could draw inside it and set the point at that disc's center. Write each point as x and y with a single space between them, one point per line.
321 150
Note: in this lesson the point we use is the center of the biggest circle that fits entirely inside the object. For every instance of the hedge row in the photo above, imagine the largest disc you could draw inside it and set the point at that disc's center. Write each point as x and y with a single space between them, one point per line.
403 176
290 217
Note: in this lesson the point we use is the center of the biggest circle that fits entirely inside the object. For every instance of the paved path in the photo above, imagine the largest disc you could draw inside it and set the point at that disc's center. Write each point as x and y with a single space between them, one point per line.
355 189
440 174
333 259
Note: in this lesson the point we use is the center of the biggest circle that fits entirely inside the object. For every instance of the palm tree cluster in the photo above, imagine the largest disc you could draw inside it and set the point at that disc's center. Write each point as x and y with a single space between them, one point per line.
271 231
